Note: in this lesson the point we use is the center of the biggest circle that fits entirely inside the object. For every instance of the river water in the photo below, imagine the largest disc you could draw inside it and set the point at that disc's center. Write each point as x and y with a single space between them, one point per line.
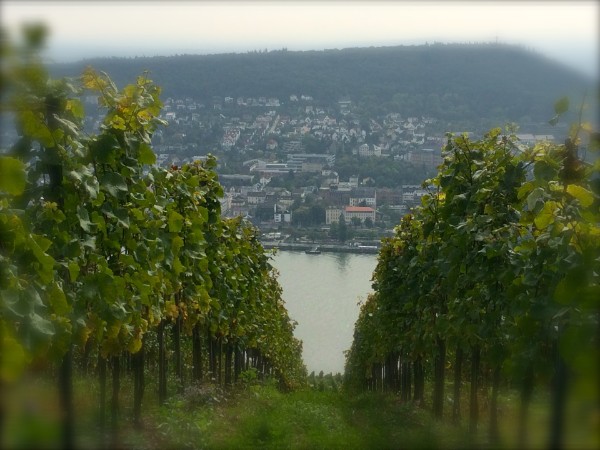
321 293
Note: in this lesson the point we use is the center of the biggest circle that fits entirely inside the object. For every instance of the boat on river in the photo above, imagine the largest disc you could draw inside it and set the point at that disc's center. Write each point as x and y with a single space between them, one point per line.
313 251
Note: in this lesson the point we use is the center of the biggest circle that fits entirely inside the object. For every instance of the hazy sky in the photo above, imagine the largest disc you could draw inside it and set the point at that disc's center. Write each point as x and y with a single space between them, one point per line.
561 29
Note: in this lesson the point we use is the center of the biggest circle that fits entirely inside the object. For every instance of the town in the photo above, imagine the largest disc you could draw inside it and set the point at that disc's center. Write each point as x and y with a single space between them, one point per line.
299 168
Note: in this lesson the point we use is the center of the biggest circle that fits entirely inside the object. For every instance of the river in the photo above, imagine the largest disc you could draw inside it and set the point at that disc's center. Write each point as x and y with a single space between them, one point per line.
321 293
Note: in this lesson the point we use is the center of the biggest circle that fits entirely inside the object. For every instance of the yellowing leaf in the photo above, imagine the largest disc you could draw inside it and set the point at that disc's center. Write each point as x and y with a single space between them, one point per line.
134 345
73 270
118 123
171 310
75 107
113 330
58 300
13 359
524 190
12 175
585 197
546 215
83 336
91 80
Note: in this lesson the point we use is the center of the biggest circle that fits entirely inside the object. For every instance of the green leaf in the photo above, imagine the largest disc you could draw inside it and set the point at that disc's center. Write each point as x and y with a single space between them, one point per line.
58 300
146 155
563 293
561 106
14 359
554 120
75 174
524 190
35 34
46 262
73 270
75 107
11 299
99 221
543 170
113 183
585 197
122 216
34 127
41 325
67 124
176 244
532 199
568 290
175 222
84 219
105 148
12 175
91 186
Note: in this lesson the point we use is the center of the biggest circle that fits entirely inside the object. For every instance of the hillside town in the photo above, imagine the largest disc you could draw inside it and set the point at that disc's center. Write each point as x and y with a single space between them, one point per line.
280 140
301 166
261 141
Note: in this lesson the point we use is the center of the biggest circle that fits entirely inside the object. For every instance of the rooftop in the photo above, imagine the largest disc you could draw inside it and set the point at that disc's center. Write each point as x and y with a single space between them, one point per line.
358 209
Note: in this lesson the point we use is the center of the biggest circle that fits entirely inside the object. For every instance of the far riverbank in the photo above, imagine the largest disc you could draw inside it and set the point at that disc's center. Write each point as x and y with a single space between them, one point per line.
336 248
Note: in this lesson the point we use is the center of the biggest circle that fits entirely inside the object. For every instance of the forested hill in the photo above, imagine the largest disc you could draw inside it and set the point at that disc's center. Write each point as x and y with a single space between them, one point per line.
465 81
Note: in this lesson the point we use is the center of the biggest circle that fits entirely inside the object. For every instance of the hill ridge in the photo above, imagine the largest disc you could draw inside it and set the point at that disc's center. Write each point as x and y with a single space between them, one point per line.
469 81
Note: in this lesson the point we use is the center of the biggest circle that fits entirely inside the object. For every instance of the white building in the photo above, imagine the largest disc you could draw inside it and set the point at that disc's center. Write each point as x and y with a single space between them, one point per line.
360 212
332 214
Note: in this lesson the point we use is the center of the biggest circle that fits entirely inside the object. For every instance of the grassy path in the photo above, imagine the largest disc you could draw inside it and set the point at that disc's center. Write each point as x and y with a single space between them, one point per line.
258 416
265 418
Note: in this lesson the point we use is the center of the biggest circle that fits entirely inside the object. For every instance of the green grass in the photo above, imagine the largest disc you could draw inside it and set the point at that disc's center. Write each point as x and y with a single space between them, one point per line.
260 416
266 418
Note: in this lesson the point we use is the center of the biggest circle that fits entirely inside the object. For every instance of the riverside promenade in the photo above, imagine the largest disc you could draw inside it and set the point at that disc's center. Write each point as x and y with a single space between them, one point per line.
335 248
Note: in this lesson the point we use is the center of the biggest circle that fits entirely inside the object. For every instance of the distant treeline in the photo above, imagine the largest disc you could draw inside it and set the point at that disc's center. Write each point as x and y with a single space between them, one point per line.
448 81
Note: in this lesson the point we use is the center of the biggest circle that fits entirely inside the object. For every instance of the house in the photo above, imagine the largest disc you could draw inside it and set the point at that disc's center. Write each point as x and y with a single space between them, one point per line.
366 150
272 144
293 147
281 215
363 196
412 193
285 201
335 196
360 212
309 162
238 206
225 202
330 177
271 169
332 214
255 198
427 157
387 196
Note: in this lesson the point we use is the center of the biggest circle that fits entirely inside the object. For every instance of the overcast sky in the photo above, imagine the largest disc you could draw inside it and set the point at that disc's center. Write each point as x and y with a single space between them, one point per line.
564 30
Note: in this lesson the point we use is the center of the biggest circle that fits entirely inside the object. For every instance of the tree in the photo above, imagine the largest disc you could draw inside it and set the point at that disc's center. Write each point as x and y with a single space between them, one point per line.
334 230
342 229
